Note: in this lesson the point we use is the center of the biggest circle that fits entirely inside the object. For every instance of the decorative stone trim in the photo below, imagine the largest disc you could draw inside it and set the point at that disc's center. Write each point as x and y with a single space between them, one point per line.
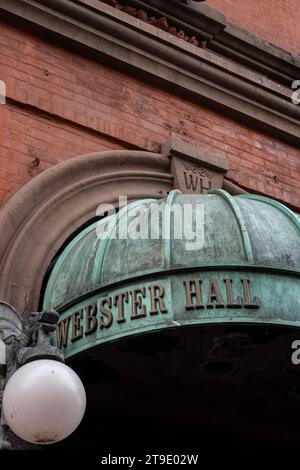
37 219
195 170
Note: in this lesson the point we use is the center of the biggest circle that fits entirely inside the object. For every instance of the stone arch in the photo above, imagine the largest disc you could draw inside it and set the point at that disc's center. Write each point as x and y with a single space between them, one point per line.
39 217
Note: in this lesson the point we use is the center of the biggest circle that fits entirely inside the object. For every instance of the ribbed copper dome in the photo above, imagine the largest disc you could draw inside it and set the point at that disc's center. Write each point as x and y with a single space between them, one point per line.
241 231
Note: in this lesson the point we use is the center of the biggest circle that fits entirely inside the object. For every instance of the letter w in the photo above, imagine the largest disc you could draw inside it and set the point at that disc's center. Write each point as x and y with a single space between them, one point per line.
62 331
192 181
192 459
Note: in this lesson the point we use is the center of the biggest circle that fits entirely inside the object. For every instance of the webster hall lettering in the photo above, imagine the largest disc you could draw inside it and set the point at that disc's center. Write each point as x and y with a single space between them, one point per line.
151 302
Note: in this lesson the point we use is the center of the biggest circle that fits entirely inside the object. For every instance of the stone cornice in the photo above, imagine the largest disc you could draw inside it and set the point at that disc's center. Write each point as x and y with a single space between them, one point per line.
201 74
192 17
229 40
257 54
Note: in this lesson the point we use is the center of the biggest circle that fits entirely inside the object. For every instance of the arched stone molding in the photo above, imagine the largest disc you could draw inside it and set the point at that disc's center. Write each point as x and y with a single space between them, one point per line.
37 219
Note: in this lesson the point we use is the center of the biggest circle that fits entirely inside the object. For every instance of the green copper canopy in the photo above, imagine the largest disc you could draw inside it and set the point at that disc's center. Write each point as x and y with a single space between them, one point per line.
245 230
246 269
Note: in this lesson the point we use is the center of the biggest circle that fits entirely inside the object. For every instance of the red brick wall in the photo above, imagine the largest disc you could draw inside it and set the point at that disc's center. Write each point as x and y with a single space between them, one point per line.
276 21
61 105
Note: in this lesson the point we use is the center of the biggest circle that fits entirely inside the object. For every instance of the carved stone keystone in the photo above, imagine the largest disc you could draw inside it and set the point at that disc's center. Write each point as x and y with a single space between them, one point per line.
195 170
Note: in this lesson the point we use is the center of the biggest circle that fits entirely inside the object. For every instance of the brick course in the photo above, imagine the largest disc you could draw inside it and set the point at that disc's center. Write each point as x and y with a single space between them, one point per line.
61 105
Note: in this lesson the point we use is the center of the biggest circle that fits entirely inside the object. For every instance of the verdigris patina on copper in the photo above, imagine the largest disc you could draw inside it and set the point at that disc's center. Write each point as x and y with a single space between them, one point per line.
244 269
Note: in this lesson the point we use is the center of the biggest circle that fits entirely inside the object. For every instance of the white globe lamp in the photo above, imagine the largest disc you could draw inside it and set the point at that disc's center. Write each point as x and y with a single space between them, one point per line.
44 401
